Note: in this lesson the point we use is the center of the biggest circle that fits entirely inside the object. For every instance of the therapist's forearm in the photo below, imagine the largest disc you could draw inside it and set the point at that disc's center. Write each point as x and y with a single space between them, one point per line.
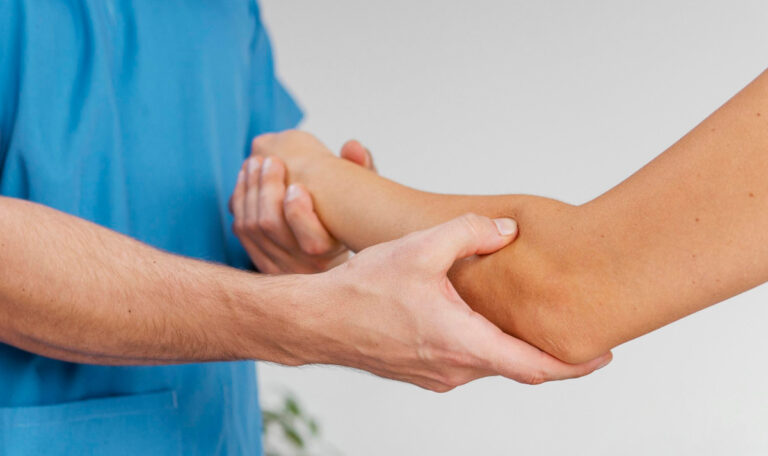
75 291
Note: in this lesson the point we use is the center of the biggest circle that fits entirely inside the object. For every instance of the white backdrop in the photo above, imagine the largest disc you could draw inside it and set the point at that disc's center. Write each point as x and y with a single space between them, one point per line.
558 98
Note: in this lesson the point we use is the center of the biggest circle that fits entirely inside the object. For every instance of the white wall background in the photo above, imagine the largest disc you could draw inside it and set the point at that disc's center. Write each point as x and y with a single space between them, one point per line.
559 98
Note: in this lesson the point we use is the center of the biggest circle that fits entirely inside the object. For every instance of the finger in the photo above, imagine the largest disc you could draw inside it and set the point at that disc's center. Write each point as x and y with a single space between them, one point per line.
525 363
270 204
238 200
251 203
254 227
238 194
309 231
237 205
464 236
355 152
260 259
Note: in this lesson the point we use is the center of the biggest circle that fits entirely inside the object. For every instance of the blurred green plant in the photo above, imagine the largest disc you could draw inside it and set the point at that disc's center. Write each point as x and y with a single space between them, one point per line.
289 431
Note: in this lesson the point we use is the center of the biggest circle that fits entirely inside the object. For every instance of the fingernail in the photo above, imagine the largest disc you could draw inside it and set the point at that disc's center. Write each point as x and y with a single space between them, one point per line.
291 192
605 362
240 177
506 226
253 165
266 165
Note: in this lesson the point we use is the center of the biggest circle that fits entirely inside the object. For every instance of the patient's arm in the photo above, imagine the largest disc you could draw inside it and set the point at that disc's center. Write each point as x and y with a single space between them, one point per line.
688 230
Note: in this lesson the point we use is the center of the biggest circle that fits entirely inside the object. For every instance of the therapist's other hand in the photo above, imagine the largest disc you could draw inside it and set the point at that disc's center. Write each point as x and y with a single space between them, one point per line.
392 311
278 225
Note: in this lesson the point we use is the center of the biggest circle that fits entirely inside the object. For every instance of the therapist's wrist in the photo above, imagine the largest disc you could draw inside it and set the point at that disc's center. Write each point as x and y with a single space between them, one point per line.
314 320
306 319
258 317
299 319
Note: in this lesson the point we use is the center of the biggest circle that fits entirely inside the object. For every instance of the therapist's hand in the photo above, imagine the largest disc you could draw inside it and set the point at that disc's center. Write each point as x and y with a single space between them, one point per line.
392 311
278 225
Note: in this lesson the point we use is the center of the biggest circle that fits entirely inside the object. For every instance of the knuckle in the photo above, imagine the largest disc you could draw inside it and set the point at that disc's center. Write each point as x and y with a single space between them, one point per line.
315 248
454 380
250 225
445 377
273 175
269 224
319 264
268 268
293 205
473 223
260 141
299 134
296 212
534 378
440 388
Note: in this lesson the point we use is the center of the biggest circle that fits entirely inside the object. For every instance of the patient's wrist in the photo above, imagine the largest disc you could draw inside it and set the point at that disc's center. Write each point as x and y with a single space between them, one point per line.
311 170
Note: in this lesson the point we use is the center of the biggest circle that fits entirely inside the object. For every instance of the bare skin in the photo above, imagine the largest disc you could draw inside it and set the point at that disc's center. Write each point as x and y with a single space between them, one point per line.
75 291
278 226
685 232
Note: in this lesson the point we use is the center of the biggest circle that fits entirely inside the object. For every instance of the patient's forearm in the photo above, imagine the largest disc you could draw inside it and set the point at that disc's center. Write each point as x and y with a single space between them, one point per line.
688 230
362 208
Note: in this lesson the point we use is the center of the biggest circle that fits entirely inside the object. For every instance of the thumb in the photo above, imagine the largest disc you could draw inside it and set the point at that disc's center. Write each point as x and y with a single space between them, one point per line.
355 152
465 236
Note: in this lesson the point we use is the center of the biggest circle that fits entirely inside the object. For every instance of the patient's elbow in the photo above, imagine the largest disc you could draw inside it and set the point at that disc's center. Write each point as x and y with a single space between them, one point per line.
570 327
575 349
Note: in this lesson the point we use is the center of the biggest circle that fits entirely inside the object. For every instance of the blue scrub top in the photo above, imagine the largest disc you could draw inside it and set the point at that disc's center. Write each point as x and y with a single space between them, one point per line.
134 114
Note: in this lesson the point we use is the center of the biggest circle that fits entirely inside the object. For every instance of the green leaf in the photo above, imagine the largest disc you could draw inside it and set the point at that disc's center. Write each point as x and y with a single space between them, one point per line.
313 427
294 437
292 406
269 417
